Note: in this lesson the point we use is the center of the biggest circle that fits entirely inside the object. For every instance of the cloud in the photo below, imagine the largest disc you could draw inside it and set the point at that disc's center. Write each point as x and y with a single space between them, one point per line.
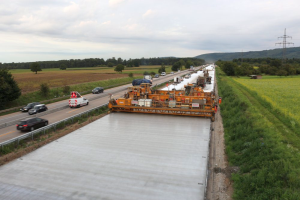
149 12
106 23
114 3
126 27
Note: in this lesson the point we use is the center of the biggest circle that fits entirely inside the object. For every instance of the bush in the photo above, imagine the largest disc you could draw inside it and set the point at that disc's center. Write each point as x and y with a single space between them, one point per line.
146 73
130 75
44 89
66 89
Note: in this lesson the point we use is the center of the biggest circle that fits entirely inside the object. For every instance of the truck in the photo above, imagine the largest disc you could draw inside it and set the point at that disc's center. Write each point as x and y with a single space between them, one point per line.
148 77
76 100
177 79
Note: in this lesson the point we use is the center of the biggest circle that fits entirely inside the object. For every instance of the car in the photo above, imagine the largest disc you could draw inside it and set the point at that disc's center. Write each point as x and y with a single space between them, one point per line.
136 82
37 108
172 73
163 74
29 106
98 90
31 124
156 76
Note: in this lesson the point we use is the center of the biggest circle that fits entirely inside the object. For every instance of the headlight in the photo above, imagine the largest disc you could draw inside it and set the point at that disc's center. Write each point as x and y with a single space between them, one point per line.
25 108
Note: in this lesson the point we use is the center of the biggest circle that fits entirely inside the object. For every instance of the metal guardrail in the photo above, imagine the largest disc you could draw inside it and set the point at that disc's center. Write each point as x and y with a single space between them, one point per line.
50 126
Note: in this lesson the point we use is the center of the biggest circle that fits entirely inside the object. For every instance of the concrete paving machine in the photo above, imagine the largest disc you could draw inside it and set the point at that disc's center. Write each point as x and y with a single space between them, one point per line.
192 101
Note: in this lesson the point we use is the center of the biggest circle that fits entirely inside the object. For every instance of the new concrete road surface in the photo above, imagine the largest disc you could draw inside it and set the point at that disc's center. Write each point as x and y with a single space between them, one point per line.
122 156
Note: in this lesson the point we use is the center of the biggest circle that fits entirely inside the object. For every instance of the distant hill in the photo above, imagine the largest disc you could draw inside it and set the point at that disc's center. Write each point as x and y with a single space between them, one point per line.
293 52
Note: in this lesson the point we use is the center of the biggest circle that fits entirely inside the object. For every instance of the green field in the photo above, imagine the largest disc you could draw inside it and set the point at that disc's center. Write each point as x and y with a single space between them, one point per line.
262 139
282 93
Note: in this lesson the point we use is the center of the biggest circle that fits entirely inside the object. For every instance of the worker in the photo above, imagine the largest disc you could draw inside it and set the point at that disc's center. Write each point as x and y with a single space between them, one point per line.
216 108
117 101
220 100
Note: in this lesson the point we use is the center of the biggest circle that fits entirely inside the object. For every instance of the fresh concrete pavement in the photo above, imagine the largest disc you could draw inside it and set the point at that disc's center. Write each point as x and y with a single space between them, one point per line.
122 156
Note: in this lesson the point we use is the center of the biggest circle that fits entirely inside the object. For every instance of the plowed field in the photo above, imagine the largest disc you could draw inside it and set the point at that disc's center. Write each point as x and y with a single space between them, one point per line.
29 82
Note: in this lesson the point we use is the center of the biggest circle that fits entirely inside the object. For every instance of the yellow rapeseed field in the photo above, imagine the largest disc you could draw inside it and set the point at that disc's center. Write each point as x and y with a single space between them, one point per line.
282 93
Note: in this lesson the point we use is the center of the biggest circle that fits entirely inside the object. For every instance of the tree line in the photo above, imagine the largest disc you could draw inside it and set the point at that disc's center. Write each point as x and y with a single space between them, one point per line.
257 66
97 62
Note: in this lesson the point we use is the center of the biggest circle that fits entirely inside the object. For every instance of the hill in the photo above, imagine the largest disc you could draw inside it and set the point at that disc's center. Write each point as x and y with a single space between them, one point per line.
293 52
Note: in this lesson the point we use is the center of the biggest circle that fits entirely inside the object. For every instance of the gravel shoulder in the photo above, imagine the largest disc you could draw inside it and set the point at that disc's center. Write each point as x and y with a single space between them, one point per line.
219 185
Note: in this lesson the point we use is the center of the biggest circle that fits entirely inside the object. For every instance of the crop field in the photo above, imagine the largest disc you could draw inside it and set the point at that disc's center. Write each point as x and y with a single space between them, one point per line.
29 81
282 93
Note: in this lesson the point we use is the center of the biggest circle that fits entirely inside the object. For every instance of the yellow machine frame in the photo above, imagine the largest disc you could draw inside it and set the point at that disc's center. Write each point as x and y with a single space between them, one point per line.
190 102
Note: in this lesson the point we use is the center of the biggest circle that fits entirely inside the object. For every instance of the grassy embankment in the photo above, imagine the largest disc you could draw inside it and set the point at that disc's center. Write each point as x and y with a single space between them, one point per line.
262 140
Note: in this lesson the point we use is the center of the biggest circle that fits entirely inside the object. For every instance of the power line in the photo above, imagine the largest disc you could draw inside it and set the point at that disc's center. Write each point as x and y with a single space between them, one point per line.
284 43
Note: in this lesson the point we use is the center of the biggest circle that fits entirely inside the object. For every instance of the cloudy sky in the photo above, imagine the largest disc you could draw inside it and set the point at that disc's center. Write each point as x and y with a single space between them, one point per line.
39 30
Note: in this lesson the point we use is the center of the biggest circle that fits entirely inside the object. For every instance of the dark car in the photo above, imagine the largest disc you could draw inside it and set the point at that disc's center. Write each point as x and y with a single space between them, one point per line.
37 108
31 124
156 76
98 90
136 82
29 106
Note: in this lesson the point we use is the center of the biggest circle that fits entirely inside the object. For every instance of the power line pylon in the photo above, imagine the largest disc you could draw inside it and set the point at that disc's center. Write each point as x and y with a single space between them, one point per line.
284 43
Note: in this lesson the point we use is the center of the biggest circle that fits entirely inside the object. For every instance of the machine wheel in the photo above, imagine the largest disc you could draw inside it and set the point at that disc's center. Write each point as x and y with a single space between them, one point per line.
46 123
87 103
32 128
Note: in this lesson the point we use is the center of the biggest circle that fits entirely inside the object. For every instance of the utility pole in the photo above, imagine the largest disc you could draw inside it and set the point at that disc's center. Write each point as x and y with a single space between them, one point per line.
284 43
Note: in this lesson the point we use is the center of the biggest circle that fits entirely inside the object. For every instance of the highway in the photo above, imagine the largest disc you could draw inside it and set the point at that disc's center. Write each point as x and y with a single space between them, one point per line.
10 132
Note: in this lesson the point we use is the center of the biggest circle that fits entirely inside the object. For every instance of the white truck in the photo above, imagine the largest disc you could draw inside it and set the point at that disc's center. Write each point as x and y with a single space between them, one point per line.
76 100
177 79
148 77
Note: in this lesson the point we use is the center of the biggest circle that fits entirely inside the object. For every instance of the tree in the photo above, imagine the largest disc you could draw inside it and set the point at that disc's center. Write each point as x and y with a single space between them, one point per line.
176 66
110 64
152 73
35 67
182 63
63 67
9 89
162 68
188 64
44 89
119 68
229 68
281 73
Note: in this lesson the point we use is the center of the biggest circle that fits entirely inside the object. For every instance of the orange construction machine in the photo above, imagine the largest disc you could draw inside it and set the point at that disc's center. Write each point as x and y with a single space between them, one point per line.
192 101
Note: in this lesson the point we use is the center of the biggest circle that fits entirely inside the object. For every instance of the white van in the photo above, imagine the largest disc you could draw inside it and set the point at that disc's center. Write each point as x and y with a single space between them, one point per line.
76 100
163 74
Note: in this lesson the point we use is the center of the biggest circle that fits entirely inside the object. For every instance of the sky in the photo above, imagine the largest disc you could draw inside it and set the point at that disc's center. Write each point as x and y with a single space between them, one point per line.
40 30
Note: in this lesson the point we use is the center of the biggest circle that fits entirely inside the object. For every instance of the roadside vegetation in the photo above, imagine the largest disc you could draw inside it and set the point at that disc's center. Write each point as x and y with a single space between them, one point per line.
261 139
64 91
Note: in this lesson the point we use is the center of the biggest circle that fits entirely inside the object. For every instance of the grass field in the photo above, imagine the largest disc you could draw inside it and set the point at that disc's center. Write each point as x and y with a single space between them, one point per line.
260 138
29 81
282 93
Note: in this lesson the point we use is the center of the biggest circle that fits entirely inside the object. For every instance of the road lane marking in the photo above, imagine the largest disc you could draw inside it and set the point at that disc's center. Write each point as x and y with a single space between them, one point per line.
74 110
7 133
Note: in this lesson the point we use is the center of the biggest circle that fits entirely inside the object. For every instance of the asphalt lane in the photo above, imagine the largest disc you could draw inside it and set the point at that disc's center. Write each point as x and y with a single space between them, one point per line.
10 132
